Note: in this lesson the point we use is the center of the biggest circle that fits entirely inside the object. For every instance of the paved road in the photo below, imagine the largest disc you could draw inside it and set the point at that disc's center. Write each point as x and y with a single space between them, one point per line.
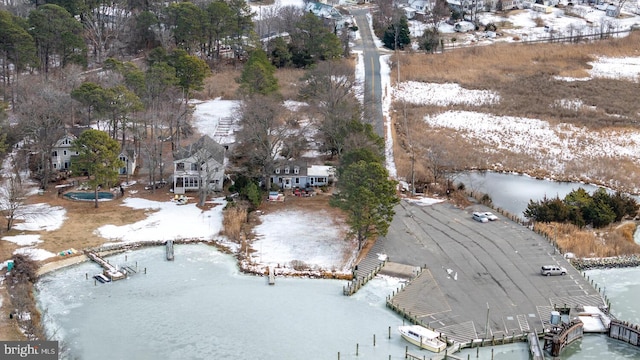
372 84
478 271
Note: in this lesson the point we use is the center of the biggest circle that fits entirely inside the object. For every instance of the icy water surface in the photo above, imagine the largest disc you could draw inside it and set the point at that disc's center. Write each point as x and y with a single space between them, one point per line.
201 307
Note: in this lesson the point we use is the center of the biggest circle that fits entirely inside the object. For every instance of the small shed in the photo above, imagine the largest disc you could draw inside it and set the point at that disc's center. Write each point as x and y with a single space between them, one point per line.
409 12
612 11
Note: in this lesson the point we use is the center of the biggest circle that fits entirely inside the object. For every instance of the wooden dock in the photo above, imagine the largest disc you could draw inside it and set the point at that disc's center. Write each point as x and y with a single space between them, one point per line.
169 249
561 336
272 276
625 331
535 349
110 271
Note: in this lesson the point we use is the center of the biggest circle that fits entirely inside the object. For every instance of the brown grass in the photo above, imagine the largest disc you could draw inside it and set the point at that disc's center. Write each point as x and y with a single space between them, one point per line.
289 82
523 75
613 241
220 84
235 217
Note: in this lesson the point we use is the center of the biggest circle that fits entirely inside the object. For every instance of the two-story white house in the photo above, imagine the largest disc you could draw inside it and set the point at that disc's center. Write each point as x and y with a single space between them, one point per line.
61 153
201 164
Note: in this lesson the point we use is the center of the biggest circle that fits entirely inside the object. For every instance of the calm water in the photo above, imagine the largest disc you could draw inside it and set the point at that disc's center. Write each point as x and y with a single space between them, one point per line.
512 192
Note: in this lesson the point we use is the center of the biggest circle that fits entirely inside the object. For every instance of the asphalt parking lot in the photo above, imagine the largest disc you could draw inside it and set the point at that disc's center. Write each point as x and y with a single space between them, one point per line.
479 273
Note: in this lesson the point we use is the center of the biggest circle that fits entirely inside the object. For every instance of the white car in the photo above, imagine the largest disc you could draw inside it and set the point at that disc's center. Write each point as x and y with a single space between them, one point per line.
479 217
490 216
548 270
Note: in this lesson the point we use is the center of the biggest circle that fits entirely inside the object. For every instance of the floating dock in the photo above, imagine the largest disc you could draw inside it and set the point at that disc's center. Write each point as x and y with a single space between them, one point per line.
272 276
169 249
110 271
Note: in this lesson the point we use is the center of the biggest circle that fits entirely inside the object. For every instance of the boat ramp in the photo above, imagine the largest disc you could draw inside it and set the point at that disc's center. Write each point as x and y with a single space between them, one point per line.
480 284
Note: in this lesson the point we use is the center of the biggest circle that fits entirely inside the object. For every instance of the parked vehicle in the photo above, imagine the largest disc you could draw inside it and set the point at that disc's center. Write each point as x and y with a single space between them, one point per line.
490 216
464 26
479 217
157 185
548 270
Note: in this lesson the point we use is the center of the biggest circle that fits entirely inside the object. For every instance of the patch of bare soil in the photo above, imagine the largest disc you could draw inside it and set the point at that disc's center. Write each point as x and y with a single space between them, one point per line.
9 330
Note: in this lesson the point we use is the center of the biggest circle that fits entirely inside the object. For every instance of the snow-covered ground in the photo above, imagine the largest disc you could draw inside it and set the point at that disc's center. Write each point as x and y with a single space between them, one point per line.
561 143
167 221
313 238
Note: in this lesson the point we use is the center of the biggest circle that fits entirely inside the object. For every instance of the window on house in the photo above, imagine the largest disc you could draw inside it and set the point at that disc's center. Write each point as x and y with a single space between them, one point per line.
194 167
296 170
278 171
180 166
297 180
280 180
191 182
286 170
55 166
54 153
77 153
64 152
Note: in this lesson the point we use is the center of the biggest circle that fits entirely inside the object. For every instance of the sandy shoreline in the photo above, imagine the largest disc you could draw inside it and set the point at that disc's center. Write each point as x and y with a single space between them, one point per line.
59 264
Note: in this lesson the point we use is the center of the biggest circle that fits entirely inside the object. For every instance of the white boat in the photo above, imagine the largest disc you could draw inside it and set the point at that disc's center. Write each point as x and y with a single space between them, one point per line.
422 337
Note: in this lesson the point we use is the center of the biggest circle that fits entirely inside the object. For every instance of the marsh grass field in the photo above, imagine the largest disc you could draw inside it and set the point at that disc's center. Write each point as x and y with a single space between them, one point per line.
530 80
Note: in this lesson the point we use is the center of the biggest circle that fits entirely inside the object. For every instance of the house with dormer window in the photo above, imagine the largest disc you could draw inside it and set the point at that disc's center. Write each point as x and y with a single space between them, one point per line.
293 175
61 153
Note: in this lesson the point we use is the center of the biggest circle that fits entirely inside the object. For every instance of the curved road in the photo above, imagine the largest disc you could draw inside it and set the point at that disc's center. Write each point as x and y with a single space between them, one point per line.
372 83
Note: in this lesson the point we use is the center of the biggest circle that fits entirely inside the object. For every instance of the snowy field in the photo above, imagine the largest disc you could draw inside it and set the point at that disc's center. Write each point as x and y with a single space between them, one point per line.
313 238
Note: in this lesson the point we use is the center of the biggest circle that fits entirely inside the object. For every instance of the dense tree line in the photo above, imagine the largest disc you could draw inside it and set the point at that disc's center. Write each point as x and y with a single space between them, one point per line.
582 209
145 103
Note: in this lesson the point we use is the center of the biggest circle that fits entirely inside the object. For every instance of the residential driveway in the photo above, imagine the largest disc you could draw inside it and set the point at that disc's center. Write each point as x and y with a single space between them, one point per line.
478 273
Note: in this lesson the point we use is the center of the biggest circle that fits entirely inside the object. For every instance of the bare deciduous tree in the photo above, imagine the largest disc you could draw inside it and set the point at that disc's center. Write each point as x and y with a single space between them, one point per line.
12 196
42 111
261 138
328 89
103 25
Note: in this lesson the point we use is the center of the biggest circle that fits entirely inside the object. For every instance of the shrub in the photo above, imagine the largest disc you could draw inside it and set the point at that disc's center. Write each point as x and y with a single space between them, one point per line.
234 218
299 265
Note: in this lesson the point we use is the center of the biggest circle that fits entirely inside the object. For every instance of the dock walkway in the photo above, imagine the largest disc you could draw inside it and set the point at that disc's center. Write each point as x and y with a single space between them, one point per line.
366 269
109 270
169 250
272 275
